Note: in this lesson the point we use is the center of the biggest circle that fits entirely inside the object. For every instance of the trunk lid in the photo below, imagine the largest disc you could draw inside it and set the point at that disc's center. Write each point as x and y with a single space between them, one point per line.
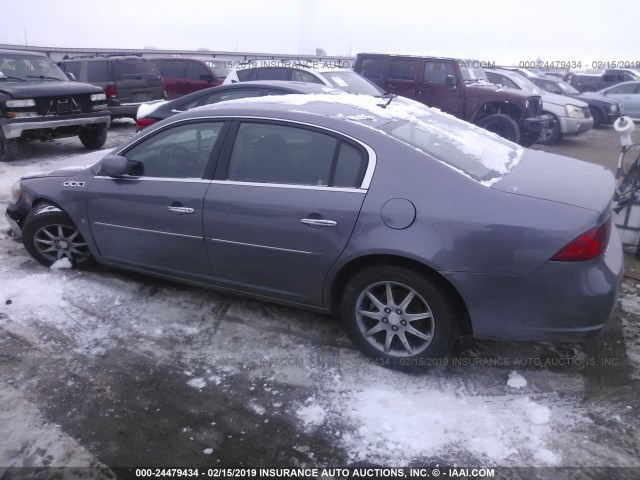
560 179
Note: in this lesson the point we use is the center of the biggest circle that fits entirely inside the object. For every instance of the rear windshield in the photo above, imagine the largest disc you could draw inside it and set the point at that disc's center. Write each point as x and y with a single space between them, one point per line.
133 66
29 68
477 153
351 82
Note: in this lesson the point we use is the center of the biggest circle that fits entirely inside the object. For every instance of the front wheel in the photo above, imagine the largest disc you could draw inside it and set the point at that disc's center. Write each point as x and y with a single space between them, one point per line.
502 125
93 136
398 316
550 134
8 148
49 235
597 117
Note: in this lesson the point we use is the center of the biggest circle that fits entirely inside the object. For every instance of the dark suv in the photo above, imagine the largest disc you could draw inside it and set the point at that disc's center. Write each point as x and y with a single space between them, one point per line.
127 81
460 88
37 101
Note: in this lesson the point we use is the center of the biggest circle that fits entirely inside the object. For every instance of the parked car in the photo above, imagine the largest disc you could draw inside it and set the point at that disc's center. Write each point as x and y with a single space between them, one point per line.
570 116
592 82
127 81
458 87
627 94
38 101
326 202
295 70
603 110
150 113
182 75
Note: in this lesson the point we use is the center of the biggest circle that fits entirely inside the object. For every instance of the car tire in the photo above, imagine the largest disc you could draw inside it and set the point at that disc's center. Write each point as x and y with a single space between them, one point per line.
597 117
409 329
550 134
49 235
8 148
93 136
502 125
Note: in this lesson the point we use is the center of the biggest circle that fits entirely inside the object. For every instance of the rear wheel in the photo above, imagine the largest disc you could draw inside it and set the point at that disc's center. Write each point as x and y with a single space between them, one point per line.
93 136
8 148
398 316
502 125
49 235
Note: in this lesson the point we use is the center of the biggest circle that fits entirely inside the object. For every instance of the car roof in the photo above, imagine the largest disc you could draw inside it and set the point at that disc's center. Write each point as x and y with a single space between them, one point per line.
316 108
21 52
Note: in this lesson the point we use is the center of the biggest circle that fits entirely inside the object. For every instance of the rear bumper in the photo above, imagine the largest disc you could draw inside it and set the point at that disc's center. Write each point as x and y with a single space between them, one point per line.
560 301
15 128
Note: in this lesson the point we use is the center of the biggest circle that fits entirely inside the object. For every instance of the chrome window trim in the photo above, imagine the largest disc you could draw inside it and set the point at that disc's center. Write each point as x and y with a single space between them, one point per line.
290 186
266 247
368 174
147 230
154 179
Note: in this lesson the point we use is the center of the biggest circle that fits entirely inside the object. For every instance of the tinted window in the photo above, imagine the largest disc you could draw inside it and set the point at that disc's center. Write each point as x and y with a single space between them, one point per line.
350 167
246 74
72 67
302 76
179 152
621 89
372 68
220 97
133 66
436 72
98 71
402 69
175 69
198 72
501 80
266 153
275 73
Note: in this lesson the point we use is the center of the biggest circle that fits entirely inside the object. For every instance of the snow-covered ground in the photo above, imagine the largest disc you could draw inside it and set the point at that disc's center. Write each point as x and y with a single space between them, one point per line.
107 367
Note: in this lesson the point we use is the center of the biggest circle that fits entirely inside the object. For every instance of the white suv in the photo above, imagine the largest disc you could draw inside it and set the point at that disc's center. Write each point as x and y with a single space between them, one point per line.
324 73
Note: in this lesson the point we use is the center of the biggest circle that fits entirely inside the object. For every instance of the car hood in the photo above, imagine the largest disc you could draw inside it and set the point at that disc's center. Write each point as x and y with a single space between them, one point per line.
562 100
596 96
53 88
61 172
560 179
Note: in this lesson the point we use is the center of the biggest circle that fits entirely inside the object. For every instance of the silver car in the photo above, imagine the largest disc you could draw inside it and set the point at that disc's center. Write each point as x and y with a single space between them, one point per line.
412 225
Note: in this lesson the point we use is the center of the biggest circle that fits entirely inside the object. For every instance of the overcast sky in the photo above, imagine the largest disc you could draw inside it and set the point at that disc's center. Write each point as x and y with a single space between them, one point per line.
490 30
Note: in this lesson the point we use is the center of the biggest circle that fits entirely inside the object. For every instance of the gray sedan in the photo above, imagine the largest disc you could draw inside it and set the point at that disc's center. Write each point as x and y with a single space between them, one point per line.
412 225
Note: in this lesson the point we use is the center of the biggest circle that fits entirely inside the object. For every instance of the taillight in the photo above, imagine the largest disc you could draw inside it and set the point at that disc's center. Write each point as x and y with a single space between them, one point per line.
587 246
145 122
111 91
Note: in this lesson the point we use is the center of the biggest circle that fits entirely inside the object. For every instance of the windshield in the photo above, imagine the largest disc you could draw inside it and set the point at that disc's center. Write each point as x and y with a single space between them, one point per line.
526 84
477 153
351 82
27 68
471 71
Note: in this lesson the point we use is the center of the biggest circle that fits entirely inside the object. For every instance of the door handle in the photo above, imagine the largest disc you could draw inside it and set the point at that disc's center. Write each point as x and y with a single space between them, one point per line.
180 209
319 222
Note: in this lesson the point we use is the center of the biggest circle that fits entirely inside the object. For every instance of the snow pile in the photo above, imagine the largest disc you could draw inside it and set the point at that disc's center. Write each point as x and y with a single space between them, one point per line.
312 414
198 383
402 426
516 380
62 264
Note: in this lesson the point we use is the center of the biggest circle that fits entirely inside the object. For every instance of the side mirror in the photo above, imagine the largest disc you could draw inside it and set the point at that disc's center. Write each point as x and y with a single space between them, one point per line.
451 80
71 76
114 166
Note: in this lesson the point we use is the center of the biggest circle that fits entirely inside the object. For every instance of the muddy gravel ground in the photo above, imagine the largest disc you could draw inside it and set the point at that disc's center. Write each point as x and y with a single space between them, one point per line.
102 368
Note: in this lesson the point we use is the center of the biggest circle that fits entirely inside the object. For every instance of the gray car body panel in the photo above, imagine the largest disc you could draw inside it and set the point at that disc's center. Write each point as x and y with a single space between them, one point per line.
491 244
